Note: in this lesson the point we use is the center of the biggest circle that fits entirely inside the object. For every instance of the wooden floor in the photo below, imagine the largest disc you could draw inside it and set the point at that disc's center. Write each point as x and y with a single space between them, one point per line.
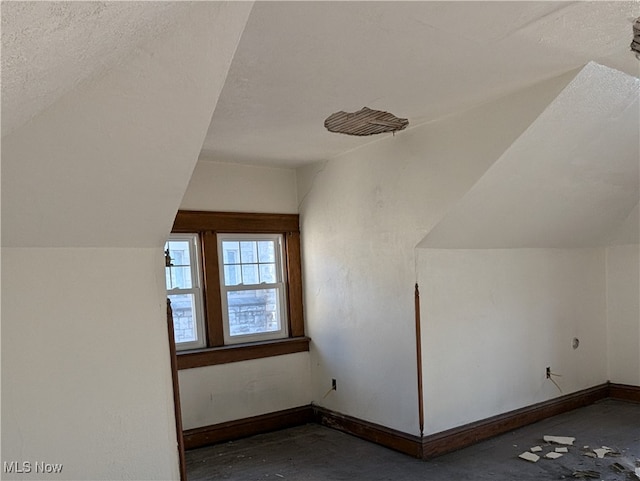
316 453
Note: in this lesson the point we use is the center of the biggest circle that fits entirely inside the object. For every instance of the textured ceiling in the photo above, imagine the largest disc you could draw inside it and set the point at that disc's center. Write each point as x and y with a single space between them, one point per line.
298 62
107 163
49 48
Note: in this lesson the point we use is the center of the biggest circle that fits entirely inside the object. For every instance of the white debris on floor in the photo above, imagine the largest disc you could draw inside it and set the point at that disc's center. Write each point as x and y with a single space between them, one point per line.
553 455
527 456
601 452
625 467
559 440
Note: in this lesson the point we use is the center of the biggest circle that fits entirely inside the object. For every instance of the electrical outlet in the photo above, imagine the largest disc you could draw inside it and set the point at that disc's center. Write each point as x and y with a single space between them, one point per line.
548 373
334 385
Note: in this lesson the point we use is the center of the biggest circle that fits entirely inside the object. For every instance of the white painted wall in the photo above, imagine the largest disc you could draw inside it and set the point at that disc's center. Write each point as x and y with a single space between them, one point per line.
85 367
230 187
494 319
362 215
623 312
215 394
629 231
90 188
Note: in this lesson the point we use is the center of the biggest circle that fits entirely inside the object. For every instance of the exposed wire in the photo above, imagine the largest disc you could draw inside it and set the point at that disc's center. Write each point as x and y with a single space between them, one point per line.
551 375
328 392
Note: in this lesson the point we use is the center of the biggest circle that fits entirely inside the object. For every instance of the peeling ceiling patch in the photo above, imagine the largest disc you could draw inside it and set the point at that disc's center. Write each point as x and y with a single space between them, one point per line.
364 122
635 44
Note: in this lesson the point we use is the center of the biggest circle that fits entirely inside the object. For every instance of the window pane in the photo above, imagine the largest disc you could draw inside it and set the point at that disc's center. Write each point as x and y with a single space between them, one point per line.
232 275
248 252
179 277
266 251
268 273
250 274
167 275
231 252
184 319
253 312
179 252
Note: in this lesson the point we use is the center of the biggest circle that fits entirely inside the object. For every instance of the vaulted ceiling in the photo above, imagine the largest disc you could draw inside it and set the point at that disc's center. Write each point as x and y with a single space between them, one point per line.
572 179
298 62
105 107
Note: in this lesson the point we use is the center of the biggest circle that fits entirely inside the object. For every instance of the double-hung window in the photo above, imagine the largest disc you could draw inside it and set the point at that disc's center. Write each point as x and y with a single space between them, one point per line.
235 285
252 287
183 278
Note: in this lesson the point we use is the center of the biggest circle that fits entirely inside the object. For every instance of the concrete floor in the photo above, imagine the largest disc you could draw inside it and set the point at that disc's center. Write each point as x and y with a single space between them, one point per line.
316 453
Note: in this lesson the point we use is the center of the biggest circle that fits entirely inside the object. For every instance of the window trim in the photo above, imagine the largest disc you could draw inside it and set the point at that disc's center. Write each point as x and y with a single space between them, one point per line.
207 224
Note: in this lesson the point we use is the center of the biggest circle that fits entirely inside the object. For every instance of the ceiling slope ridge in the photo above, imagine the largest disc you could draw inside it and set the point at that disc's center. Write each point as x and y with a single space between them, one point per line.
107 165
569 180
557 81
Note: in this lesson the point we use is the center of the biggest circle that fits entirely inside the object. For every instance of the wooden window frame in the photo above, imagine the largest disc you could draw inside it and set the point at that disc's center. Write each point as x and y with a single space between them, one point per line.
207 224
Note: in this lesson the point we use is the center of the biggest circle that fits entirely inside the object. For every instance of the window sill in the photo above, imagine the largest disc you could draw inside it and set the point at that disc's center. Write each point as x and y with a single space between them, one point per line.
241 352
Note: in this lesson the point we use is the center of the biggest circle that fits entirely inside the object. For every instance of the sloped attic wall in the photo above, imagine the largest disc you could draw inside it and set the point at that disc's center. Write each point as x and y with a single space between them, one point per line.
362 215
90 188
570 180
519 267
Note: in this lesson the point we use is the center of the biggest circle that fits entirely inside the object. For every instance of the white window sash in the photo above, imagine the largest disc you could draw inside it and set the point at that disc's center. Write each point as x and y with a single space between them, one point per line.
195 290
279 286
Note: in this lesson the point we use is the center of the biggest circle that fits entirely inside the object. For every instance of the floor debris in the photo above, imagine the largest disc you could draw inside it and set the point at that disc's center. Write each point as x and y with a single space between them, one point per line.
586 474
601 452
553 455
536 449
618 468
638 473
561 450
559 440
527 456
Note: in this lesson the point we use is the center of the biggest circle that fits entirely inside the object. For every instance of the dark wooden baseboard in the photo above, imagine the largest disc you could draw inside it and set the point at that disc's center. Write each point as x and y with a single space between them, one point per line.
427 447
403 442
231 430
624 392
452 439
